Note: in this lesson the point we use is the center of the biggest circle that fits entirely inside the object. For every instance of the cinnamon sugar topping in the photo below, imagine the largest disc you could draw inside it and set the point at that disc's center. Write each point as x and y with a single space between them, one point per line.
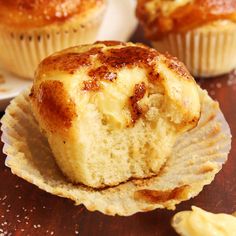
103 63
136 110
69 62
129 56
56 108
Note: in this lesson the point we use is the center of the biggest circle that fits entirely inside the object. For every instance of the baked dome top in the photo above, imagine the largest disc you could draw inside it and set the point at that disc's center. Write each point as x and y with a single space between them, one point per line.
39 13
114 72
161 17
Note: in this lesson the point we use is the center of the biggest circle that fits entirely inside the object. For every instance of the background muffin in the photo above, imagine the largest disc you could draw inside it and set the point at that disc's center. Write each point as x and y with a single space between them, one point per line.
202 33
30 30
112 111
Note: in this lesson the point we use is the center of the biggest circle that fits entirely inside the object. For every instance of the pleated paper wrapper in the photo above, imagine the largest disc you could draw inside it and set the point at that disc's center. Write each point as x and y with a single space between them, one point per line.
22 51
206 52
197 157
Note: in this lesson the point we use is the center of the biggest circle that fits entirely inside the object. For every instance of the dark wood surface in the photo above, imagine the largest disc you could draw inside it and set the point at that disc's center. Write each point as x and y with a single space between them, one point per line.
26 210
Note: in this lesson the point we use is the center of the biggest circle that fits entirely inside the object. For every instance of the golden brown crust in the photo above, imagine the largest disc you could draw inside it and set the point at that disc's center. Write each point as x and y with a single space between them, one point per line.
102 72
111 60
186 17
129 56
69 62
174 64
101 63
53 104
91 85
38 13
136 110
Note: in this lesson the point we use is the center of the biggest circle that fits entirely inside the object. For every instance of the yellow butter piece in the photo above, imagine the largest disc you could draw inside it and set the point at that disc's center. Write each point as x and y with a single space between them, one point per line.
199 222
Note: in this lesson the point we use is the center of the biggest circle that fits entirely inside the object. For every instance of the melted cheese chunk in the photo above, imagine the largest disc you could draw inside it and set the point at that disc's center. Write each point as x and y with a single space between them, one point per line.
112 101
199 222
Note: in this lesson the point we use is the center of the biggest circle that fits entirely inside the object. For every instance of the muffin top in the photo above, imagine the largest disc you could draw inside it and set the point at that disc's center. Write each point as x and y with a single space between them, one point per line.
160 17
118 78
39 13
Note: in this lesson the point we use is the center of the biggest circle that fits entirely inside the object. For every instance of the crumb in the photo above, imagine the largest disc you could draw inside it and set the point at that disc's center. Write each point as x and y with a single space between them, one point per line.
231 79
24 209
212 92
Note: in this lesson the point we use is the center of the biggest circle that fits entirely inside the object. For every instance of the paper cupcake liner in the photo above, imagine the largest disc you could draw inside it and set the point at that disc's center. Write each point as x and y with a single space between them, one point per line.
206 53
197 156
21 52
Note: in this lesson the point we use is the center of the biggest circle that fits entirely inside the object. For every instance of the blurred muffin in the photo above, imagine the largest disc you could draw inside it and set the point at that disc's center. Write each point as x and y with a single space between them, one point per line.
112 111
30 30
201 33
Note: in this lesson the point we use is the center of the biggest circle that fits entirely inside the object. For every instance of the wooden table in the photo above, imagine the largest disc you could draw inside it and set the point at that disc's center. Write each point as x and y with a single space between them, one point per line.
26 210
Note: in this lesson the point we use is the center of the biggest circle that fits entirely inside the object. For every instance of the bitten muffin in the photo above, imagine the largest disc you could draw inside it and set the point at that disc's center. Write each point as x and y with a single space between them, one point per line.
112 111
201 33
30 30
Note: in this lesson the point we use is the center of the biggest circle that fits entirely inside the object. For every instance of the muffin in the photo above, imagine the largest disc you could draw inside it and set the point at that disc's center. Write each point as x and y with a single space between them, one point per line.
84 110
201 33
30 30
112 111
